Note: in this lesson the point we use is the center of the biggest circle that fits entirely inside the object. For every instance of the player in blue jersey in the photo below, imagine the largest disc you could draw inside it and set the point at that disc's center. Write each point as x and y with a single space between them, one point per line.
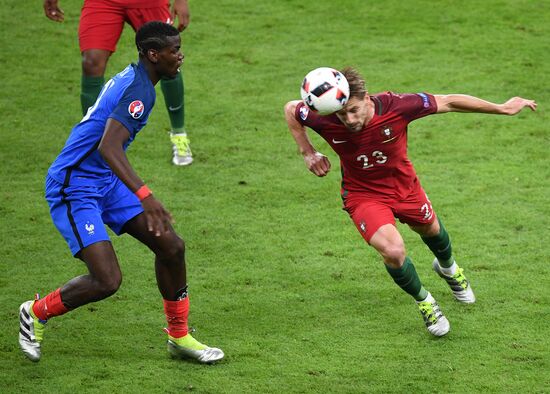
92 184
99 30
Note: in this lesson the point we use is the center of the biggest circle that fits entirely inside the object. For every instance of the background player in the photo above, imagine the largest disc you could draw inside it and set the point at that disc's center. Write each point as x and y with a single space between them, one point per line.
91 183
380 184
101 24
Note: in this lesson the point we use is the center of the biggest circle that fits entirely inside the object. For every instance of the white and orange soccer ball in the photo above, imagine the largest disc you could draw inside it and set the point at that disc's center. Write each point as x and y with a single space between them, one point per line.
325 90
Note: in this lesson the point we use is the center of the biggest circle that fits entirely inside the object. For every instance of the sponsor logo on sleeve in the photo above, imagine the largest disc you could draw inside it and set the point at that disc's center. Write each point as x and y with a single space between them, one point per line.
136 109
425 99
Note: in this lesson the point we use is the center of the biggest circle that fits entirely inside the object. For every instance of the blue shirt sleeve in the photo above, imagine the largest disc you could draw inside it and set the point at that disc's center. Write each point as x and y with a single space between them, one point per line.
134 107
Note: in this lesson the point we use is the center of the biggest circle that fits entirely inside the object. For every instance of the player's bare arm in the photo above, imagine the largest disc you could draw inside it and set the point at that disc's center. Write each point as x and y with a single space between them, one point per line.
180 10
465 103
52 10
316 162
111 149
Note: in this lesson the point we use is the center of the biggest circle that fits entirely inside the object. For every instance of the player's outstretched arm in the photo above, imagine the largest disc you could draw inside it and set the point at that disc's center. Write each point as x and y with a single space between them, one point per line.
465 103
180 10
52 10
316 162
111 149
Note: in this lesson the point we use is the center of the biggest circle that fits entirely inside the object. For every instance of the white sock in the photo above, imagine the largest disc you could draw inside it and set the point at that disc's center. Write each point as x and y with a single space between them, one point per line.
428 298
449 271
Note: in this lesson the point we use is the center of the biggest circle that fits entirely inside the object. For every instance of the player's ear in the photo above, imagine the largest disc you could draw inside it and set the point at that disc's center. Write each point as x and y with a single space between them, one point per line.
152 55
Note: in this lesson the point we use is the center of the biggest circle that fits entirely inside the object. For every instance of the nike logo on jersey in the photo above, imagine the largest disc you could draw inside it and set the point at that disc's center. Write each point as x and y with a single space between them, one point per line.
338 141
170 108
390 140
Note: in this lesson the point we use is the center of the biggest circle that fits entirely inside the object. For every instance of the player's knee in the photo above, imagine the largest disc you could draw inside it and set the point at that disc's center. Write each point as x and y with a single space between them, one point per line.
93 65
173 251
106 287
394 255
178 249
428 230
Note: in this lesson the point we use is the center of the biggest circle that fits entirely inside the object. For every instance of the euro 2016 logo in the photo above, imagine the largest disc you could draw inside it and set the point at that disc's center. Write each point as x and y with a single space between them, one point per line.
136 109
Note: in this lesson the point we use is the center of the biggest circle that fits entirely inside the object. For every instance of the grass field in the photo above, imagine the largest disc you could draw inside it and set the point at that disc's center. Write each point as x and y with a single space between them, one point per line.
279 277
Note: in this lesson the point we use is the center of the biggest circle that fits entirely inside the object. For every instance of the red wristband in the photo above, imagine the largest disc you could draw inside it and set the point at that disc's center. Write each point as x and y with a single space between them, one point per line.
143 192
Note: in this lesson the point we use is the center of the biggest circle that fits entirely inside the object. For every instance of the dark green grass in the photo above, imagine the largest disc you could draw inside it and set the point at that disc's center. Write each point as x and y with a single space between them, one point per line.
279 277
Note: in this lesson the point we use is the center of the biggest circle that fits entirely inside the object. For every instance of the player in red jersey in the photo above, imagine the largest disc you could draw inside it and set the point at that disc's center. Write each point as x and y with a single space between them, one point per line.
101 24
379 182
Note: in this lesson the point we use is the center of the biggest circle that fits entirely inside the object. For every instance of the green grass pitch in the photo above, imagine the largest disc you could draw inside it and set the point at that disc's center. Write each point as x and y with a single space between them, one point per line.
279 278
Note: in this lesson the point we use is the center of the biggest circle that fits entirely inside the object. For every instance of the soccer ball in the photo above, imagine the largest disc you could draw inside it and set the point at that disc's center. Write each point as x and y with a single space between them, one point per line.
325 90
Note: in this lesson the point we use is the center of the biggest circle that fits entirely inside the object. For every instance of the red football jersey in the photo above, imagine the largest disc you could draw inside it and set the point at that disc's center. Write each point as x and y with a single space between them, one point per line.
374 160
133 3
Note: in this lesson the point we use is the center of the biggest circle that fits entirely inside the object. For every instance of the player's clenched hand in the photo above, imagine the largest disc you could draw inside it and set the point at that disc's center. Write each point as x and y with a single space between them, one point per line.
158 219
317 163
52 10
516 104
180 9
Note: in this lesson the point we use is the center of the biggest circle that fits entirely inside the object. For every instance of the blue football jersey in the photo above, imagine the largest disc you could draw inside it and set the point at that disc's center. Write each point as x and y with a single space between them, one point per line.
129 98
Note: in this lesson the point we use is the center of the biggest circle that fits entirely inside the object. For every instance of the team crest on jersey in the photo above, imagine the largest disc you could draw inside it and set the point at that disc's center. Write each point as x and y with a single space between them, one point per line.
387 134
304 111
136 109
90 228
363 226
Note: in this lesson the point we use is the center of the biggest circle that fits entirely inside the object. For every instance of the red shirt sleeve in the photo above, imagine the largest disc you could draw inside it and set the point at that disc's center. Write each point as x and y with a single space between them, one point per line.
414 105
305 116
312 119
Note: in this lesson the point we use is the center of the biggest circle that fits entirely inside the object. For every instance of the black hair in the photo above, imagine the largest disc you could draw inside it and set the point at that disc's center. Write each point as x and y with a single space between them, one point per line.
152 35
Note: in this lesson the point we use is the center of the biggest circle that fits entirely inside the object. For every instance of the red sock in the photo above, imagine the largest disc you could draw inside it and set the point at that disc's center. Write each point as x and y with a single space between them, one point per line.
176 316
49 306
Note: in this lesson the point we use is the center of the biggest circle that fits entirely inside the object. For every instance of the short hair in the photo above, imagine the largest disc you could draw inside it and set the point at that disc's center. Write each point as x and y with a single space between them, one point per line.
152 35
356 83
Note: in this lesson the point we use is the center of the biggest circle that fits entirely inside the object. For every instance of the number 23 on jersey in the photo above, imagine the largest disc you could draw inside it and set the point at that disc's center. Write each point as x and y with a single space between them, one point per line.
375 157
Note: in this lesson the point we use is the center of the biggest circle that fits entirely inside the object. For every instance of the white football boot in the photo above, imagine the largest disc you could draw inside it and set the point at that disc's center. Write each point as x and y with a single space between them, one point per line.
182 155
189 348
436 323
31 331
458 283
